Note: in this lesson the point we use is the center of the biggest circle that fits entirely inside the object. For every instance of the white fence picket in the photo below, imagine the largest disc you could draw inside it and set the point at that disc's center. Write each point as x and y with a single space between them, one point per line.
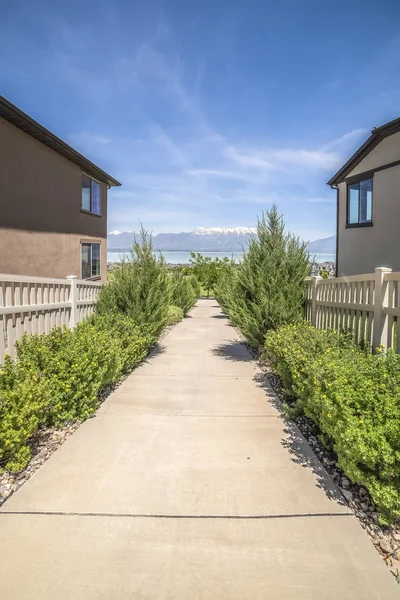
35 305
369 305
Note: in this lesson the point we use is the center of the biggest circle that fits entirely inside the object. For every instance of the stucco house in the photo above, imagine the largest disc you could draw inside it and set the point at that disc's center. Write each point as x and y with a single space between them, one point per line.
368 204
53 203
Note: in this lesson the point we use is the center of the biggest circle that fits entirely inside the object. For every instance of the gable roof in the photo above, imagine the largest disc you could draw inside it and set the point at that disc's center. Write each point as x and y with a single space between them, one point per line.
25 123
377 135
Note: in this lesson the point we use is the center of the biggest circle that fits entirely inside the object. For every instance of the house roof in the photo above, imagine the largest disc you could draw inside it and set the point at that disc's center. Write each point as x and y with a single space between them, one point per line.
377 135
25 123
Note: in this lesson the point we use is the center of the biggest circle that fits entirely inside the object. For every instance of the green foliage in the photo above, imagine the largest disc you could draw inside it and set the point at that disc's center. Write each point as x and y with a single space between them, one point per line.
353 396
183 290
133 342
267 289
139 288
75 364
58 377
207 270
24 402
175 314
324 273
195 285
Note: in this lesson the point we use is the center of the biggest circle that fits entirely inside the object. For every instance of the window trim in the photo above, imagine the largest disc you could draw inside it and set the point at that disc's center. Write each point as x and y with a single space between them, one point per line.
90 212
90 243
352 181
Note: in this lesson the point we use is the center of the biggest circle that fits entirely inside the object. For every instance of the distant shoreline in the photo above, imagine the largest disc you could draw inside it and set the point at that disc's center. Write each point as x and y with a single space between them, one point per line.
182 257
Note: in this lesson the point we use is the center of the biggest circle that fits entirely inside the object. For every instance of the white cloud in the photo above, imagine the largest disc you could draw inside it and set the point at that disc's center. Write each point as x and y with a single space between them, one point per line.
252 159
323 200
272 159
177 170
351 135
101 139
319 159
218 173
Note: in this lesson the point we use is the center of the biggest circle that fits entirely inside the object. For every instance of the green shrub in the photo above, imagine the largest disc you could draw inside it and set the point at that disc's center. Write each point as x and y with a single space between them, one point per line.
75 364
195 285
175 314
58 377
267 289
133 343
24 401
354 397
139 289
182 291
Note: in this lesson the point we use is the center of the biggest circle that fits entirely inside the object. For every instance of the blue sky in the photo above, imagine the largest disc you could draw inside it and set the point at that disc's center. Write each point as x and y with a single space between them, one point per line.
208 112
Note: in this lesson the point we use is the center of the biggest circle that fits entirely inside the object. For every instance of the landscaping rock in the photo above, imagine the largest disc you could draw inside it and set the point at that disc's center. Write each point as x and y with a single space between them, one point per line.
348 495
385 546
385 539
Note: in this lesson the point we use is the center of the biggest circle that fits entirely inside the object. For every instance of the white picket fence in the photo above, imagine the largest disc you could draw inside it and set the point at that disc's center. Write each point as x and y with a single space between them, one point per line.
38 304
366 304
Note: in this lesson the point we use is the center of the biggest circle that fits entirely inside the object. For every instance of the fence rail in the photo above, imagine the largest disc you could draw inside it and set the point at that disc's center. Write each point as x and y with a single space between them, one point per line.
38 304
367 304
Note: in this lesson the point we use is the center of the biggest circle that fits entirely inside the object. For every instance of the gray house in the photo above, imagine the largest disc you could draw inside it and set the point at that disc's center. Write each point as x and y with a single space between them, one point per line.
368 204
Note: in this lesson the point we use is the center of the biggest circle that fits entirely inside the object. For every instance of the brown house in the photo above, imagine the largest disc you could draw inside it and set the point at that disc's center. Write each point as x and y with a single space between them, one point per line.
368 204
53 203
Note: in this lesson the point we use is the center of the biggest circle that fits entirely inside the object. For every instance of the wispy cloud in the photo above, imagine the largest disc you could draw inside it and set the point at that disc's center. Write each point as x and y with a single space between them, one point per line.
250 158
271 159
100 139
178 168
322 200
350 136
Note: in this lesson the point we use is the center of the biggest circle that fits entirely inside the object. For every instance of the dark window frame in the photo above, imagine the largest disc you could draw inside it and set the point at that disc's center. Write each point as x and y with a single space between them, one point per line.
92 179
352 181
96 275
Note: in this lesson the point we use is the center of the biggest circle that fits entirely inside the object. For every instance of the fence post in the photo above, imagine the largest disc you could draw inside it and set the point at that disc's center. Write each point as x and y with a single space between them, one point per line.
73 297
379 328
314 295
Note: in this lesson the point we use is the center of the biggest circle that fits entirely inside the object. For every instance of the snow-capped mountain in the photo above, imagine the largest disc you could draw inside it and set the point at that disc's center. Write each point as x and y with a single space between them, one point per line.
202 239
224 231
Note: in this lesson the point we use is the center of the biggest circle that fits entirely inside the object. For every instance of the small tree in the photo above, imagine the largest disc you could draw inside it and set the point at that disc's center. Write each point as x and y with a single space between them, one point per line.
182 290
267 289
139 288
207 270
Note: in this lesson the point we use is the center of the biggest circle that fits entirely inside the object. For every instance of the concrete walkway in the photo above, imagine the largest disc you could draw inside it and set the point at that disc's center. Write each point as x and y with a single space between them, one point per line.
187 486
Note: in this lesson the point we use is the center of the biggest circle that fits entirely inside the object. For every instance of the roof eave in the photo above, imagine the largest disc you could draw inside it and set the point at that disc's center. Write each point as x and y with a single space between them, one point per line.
357 157
377 135
13 115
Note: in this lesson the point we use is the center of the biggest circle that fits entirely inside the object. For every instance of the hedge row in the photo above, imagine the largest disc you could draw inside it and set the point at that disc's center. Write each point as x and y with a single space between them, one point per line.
354 398
58 376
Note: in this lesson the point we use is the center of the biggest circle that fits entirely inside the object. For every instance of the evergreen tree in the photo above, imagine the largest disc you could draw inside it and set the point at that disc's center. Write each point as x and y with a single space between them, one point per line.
139 288
268 288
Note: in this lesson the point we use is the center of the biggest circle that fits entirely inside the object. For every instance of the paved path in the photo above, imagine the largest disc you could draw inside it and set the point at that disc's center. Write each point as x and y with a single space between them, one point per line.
187 486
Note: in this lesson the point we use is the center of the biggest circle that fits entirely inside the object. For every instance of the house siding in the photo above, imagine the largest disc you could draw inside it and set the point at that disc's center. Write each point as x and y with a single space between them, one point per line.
41 222
361 250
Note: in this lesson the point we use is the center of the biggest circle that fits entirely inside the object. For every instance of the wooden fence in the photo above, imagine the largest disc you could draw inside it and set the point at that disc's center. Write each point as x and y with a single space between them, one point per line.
37 305
366 304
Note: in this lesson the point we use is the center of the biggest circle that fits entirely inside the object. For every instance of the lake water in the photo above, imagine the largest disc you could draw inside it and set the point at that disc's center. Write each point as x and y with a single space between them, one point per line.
182 258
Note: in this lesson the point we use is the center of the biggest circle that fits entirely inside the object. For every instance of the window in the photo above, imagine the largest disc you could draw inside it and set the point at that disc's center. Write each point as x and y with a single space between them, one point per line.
91 195
90 260
359 203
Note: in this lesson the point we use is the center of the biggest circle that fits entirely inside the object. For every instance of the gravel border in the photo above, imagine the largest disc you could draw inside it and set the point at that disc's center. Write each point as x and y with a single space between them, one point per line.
386 540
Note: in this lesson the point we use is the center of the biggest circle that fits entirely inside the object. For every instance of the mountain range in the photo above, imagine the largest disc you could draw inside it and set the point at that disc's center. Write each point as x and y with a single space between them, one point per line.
214 239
